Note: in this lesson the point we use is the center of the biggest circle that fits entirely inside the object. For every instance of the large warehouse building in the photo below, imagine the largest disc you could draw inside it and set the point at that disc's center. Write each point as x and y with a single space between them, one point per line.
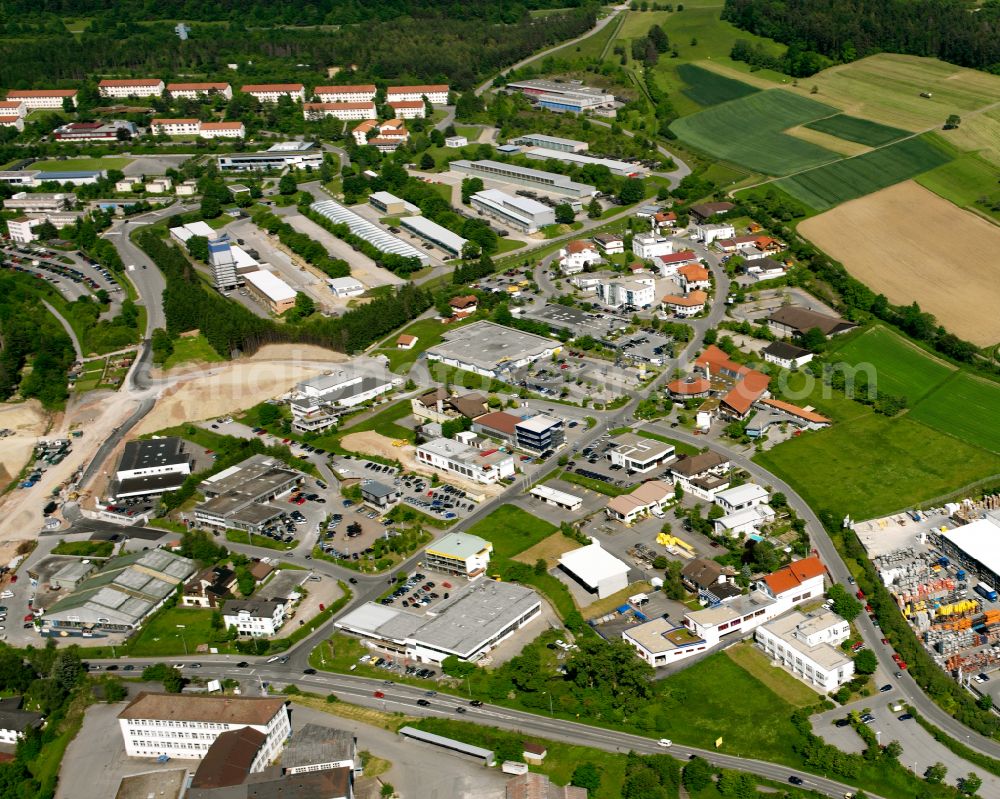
976 547
596 569
492 350
522 213
523 176
468 625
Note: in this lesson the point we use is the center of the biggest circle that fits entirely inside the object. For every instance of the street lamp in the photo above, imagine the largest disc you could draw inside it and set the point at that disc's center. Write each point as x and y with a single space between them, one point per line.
182 627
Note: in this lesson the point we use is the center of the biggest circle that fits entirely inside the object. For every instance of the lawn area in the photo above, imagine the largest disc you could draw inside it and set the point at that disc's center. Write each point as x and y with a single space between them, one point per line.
595 485
82 164
707 88
429 332
832 184
164 634
894 365
761 117
85 549
243 537
383 422
511 530
191 348
873 466
752 660
964 181
862 131
508 245
976 422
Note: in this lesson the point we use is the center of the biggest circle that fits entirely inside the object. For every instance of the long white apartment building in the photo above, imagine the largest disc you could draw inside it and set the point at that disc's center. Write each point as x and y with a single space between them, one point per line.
175 127
436 94
192 91
184 726
40 202
486 466
131 87
34 99
809 647
272 92
362 93
345 111
408 109
13 108
521 213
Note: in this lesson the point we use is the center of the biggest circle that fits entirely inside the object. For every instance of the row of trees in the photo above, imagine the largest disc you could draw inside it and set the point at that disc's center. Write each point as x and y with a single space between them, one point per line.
301 244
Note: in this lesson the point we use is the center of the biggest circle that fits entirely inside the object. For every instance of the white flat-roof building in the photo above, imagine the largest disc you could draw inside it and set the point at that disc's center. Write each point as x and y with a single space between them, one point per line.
151 466
559 499
596 569
744 522
638 454
708 232
272 92
433 233
808 647
473 621
317 402
741 497
346 286
184 726
620 168
523 176
620 292
273 292
361 93
485 466
459 554
649 246
977 547
552 143
21 230
492 350
40 202
436 94
521 213
254 618
132 87
456 142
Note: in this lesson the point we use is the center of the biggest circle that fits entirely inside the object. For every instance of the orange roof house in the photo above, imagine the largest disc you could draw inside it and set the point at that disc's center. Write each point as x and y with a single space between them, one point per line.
794 574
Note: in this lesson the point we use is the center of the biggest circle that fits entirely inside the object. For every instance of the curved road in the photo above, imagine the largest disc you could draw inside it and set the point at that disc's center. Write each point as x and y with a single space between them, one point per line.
67 327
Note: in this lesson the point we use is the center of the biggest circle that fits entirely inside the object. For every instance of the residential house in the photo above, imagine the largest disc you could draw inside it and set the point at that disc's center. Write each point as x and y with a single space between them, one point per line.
664 220
747 521
709 232
576 256
438 406
693 276
610 243
748 495
406 341
464 306
705 211
684 306
15 722
649 498
209 587
702 475
648 246
667 265
254 618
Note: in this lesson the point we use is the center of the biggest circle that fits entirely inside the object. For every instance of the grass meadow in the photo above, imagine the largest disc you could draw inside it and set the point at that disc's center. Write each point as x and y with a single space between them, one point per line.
707 88
966 406
862 131
832 184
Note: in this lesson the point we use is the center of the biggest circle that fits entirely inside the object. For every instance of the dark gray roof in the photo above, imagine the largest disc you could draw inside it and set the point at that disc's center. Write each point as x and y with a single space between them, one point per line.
257 608
690 465
330 784
315 744
155 452
19 720
802 320
779 349
151 483
377 489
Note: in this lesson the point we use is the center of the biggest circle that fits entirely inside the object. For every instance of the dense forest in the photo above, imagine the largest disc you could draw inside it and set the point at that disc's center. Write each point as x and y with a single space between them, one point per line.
844 30
460 50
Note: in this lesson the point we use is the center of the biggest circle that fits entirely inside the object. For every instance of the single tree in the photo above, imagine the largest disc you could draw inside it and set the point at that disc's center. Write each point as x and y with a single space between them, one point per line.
564 214
935 774
287 185
865 662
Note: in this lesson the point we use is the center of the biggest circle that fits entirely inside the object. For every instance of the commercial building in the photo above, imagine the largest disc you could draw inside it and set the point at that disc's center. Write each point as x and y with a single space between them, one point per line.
491 350
316 402
391 204
620 168
552 143
498 425
408 109
637 454
433 233
379 495
648 247
270 291
272 92
344 111
366 230
28 202
564 96
121 595
238 497
521 213
150 467
539 434
254 618
345 286
436 94
556 498
194 91
184 726
456 142
318 748
976 547
523 176
34 99
459 554
596 569
616 291
209 588
278 156
362 93
808 647
229 262
113 131
790 321
646 499
473 621
21 230
134 87
485 466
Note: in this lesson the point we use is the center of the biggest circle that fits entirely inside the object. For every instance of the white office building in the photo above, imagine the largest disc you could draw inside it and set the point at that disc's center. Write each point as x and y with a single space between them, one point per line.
648 246
642 455
808 646
316 402
254 618
459 554
184 726
486 466
21 230
521 213
617 292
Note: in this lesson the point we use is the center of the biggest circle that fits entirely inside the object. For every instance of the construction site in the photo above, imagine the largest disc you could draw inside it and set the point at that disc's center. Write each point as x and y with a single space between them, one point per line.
944 581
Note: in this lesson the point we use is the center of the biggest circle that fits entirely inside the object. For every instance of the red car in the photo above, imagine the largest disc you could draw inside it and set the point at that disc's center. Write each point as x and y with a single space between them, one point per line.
885 641
29 617
379 695
901 664
860 594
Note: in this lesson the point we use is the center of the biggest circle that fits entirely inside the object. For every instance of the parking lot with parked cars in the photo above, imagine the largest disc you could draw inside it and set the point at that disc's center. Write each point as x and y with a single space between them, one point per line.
420 591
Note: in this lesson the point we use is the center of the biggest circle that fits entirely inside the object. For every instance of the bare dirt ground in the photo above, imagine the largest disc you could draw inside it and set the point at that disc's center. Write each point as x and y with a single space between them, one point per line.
909 244
372 443
28 421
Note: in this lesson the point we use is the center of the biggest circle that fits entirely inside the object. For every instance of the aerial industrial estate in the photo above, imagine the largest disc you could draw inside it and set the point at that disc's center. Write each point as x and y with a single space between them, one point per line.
533 402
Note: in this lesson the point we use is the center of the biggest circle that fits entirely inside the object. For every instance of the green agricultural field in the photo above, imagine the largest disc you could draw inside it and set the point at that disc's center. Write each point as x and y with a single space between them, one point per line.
511 530
967 407
832 184
894 364
82 164
749 132
970 181
873 466
710 88
862 131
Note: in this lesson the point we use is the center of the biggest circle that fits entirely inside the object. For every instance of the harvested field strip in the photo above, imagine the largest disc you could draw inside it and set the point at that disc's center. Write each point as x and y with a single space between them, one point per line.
967 407
829 185
760 119
862 131
710 88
